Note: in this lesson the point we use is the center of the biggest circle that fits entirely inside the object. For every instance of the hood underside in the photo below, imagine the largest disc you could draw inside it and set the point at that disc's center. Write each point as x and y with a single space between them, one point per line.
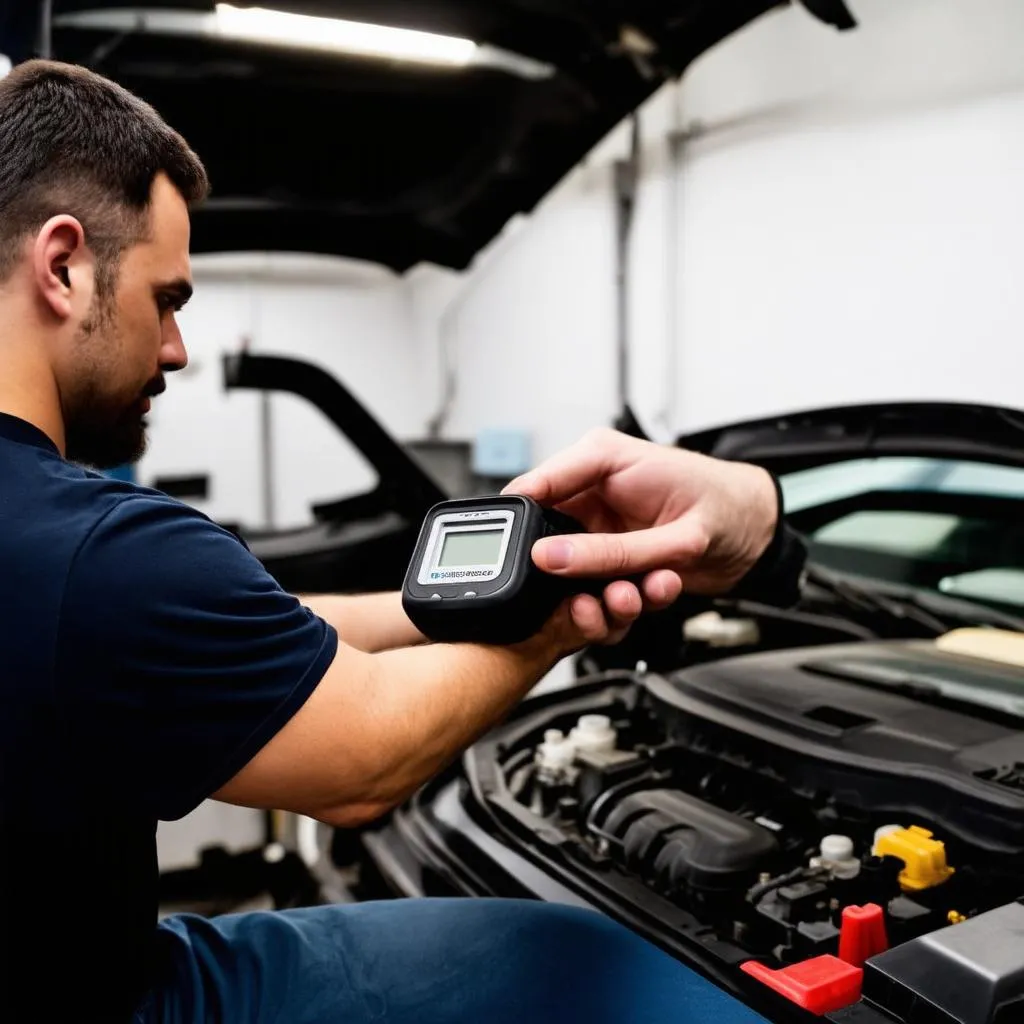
943 430
393 162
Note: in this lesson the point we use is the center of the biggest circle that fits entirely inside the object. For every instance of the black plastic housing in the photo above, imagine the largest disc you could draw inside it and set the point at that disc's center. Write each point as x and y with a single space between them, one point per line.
823 723
688 843
507 610
972 973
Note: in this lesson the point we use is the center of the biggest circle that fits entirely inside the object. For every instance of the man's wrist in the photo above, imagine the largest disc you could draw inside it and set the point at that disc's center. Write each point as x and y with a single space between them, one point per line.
546 648
776 576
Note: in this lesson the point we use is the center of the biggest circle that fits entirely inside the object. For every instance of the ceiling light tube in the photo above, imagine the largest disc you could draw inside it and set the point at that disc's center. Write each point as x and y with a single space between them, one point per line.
262 26
259 25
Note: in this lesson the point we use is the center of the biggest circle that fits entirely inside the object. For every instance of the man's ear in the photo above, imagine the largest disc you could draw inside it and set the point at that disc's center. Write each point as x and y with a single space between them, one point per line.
62 267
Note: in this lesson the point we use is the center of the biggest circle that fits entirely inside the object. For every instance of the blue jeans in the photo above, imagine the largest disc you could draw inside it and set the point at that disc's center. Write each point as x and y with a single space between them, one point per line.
425 961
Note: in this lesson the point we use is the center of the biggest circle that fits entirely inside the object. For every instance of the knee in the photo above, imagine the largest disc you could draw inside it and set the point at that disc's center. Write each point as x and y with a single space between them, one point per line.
559 927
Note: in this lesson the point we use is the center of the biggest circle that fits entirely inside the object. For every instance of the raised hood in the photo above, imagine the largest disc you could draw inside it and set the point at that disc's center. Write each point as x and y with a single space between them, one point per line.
942 430
392 162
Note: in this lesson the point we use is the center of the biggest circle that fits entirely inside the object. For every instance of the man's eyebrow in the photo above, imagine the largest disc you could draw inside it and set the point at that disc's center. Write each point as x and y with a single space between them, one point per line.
180 289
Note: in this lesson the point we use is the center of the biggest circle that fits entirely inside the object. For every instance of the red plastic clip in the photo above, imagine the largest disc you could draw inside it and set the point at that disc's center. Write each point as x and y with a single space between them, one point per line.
862 934
820 985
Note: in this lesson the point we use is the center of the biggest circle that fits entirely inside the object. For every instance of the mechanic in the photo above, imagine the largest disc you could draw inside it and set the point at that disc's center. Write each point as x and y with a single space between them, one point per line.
150 662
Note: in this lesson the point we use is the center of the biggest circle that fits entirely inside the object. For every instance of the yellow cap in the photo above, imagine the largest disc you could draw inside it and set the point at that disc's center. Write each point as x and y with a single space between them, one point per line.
924 857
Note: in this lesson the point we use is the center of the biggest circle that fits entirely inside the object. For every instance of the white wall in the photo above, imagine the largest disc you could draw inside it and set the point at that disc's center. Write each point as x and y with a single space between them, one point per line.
353 320
532 333
843 224
852 214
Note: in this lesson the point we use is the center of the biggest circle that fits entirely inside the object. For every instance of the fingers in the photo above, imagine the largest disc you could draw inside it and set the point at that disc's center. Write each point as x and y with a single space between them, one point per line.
588 617
566 474
610 623
677 544
623 603
661 589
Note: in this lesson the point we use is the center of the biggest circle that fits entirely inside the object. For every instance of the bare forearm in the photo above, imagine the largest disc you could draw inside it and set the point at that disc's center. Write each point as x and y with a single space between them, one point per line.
438 700
380 725
368 622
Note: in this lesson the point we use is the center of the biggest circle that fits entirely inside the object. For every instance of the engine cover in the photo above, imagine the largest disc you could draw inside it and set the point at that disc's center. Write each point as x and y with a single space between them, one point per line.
682 842
834 719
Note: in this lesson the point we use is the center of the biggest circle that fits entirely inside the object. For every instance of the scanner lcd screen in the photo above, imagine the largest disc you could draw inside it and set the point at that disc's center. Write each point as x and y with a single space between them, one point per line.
471 547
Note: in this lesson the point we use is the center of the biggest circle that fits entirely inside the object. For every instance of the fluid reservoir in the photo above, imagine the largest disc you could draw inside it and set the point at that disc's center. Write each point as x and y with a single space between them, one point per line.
554 757
837 855
594 732
923 855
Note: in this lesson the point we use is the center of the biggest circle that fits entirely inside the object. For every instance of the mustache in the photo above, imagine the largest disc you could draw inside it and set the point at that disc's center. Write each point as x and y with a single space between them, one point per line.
155 387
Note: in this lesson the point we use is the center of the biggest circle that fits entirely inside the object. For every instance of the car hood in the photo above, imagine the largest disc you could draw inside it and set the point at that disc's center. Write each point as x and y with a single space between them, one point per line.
394 163
943 430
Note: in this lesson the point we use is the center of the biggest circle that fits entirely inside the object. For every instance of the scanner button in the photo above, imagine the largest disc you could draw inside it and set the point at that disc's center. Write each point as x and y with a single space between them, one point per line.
469 593
435 597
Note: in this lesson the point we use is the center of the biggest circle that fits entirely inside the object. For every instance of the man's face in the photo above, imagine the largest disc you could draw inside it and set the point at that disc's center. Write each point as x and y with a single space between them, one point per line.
130 340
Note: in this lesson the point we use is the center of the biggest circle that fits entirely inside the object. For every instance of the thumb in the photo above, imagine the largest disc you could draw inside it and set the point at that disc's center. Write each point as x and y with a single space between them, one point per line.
673 546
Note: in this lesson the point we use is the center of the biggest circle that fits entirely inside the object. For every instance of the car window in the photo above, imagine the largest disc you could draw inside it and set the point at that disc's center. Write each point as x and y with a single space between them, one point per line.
946 525
811 487
909 533
993 585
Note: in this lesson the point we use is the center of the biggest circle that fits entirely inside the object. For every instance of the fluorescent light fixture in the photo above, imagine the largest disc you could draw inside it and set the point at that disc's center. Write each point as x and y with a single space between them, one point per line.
259 25
266 27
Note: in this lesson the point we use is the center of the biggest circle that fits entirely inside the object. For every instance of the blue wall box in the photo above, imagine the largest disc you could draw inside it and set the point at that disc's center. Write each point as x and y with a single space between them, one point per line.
501 453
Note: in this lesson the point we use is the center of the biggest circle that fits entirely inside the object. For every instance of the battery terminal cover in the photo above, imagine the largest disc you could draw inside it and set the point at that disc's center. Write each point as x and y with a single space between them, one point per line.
923 855
821 985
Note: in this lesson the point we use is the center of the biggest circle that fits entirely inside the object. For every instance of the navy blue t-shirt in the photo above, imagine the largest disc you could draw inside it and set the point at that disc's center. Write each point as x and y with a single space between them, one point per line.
145 657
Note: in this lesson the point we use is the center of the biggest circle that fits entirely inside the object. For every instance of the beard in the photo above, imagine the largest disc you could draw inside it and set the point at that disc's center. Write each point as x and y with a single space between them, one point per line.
102 429
106 435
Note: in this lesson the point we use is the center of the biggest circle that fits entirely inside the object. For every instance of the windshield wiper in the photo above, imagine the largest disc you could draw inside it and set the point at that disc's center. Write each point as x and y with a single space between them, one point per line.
866 598
936 613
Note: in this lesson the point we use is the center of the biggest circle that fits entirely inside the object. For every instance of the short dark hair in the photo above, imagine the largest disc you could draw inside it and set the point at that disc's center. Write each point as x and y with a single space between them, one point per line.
74 142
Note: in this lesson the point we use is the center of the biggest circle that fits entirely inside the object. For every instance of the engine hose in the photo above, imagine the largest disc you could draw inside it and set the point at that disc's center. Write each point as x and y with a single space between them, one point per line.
758 892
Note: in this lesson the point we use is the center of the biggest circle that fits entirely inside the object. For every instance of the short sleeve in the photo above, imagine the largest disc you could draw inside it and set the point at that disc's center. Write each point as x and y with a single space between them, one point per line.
179 657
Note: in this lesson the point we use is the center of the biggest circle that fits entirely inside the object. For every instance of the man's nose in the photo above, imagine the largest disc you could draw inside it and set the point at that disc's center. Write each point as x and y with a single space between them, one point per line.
173 355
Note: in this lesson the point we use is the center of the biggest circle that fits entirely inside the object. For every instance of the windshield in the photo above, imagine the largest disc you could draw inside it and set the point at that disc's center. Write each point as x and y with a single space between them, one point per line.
945 525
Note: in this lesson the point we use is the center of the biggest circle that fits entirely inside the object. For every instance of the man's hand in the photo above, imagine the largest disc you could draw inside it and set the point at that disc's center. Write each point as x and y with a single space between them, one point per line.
582 620
686 520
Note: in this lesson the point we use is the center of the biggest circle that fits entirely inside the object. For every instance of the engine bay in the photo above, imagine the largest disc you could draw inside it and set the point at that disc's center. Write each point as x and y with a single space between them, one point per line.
752 804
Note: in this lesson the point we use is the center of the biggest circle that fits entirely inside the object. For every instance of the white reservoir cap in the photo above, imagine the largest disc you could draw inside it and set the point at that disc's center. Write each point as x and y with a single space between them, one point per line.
836 848
712 629
556 752
837 856
594 732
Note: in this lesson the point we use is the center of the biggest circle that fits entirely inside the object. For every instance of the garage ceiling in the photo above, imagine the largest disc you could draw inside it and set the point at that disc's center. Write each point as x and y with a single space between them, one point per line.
393 162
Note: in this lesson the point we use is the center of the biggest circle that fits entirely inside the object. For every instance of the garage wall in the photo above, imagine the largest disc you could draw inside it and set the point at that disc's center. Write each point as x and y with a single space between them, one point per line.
353 320
531 330
852 212
824 218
